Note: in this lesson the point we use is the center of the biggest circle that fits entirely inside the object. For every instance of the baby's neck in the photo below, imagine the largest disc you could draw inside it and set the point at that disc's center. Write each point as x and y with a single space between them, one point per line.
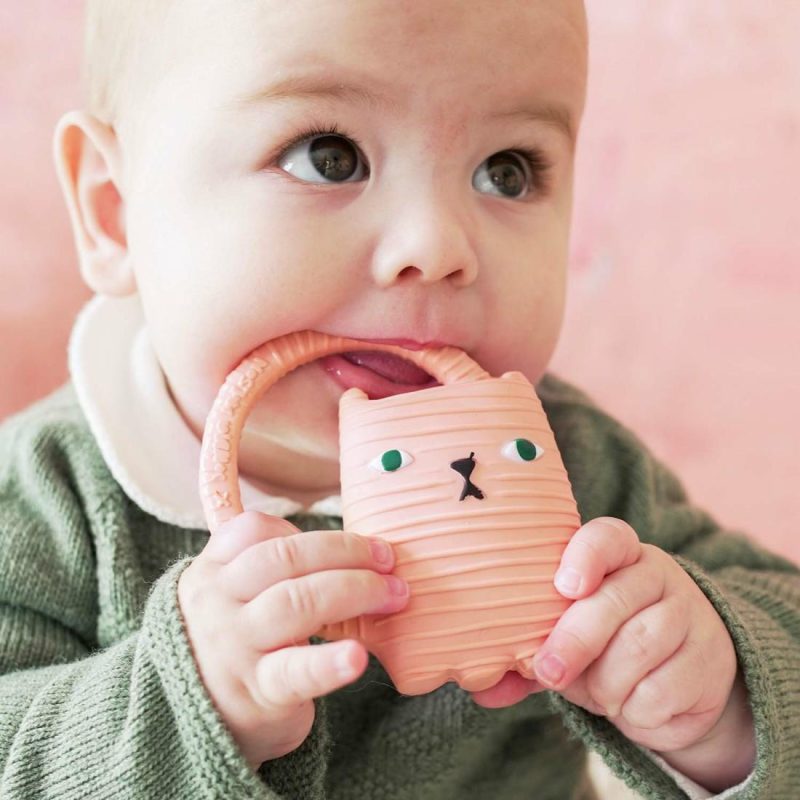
306 497
302 478
285 473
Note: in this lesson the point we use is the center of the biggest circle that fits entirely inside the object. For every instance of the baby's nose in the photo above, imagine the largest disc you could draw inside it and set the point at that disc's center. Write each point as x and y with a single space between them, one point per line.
427 241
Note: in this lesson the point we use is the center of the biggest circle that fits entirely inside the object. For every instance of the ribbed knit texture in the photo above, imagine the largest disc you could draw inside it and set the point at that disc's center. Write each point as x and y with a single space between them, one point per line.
100 696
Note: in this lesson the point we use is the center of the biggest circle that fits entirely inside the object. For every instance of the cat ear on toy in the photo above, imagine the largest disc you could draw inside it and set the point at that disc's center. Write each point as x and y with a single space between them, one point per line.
353 395
514 375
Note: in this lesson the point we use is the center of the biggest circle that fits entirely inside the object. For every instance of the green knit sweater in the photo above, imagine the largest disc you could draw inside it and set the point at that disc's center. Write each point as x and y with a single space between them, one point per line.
100 696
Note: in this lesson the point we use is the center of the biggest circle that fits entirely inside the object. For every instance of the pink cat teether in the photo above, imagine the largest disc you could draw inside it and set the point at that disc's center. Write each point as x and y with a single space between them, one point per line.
466 482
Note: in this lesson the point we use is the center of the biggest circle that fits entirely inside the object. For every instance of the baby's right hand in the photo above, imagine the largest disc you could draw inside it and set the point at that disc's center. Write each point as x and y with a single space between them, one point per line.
251 599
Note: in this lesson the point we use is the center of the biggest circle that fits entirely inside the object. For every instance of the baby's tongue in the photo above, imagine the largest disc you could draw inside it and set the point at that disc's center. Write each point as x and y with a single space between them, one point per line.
389 366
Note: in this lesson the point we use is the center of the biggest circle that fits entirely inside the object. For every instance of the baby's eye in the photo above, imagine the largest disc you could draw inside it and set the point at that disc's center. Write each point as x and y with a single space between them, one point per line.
391 460
511 173
522 450
331 157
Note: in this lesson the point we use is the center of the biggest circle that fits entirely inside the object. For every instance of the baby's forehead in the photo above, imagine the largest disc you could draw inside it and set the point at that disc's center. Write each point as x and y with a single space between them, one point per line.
460 57
382 36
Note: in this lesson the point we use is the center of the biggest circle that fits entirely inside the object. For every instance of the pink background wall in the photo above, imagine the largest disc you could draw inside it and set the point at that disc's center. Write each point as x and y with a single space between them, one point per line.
685 284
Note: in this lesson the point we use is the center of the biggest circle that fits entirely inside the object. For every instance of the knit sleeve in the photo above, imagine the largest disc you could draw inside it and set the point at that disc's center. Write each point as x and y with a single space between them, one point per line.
132 719
755 592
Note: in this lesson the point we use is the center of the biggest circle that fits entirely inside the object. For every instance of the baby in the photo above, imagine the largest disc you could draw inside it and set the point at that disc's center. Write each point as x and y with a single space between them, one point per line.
386 170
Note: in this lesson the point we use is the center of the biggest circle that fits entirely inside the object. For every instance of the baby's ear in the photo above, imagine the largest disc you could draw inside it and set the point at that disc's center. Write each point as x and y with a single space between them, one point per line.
88 162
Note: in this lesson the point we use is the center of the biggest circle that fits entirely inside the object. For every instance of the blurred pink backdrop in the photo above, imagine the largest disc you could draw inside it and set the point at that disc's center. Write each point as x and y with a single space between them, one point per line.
684 299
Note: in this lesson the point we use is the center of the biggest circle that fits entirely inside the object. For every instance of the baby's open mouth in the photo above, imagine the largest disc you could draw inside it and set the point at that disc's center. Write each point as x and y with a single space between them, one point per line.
377 373
390 366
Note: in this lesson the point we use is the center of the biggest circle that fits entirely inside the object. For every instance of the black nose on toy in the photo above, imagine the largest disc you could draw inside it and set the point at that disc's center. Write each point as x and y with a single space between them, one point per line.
464 467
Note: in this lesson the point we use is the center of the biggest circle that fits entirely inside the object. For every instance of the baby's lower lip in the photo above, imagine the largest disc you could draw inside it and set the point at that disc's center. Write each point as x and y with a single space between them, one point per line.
347 374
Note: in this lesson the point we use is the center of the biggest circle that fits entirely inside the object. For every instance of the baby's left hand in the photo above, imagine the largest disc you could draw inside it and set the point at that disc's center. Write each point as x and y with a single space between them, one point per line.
641 644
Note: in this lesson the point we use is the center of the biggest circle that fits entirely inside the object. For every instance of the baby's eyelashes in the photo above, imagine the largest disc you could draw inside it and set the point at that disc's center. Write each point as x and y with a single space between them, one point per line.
324 154
327 155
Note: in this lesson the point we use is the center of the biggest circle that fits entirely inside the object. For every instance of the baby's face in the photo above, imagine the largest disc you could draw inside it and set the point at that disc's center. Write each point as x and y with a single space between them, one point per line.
418 218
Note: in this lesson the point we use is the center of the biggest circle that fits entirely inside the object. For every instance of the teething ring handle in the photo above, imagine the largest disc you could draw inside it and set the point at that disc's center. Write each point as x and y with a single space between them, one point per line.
219 471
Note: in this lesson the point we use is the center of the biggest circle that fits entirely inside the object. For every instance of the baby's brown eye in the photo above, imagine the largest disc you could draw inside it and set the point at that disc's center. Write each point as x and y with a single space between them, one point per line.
505 172
331 157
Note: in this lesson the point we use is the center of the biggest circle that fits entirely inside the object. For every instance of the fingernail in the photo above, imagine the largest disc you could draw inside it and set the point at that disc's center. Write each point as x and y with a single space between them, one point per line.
550 668
381 551
397 585
343 661
568 580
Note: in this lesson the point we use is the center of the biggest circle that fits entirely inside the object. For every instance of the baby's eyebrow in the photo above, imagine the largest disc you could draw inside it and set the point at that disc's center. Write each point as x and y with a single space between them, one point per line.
303 86
555 115
297 87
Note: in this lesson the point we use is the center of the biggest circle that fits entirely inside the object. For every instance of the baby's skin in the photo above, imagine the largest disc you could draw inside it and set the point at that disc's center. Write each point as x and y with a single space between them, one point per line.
641 644
251 600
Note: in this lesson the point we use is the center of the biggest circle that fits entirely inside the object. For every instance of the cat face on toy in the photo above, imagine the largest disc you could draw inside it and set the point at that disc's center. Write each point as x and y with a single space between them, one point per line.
516 449
462 449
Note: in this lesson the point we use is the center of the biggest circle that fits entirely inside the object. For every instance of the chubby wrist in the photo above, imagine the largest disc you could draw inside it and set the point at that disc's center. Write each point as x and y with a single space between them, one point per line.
725 756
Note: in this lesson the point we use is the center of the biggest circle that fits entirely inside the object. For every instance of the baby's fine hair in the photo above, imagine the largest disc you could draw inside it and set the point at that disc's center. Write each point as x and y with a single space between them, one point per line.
123 43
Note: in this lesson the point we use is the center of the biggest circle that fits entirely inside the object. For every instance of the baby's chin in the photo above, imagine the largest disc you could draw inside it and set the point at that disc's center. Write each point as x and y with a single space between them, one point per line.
292 432
309 426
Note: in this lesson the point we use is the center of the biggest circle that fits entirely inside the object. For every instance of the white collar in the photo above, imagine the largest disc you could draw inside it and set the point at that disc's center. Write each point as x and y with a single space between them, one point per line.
148 447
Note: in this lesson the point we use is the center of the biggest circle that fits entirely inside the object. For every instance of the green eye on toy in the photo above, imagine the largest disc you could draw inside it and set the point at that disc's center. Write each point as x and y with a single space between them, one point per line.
522 450
391 460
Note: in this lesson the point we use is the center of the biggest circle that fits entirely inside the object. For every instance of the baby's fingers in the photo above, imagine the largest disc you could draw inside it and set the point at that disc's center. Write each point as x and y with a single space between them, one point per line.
296 609
642 644
602 546
243 531
283 557
292 676
584 630
679 701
